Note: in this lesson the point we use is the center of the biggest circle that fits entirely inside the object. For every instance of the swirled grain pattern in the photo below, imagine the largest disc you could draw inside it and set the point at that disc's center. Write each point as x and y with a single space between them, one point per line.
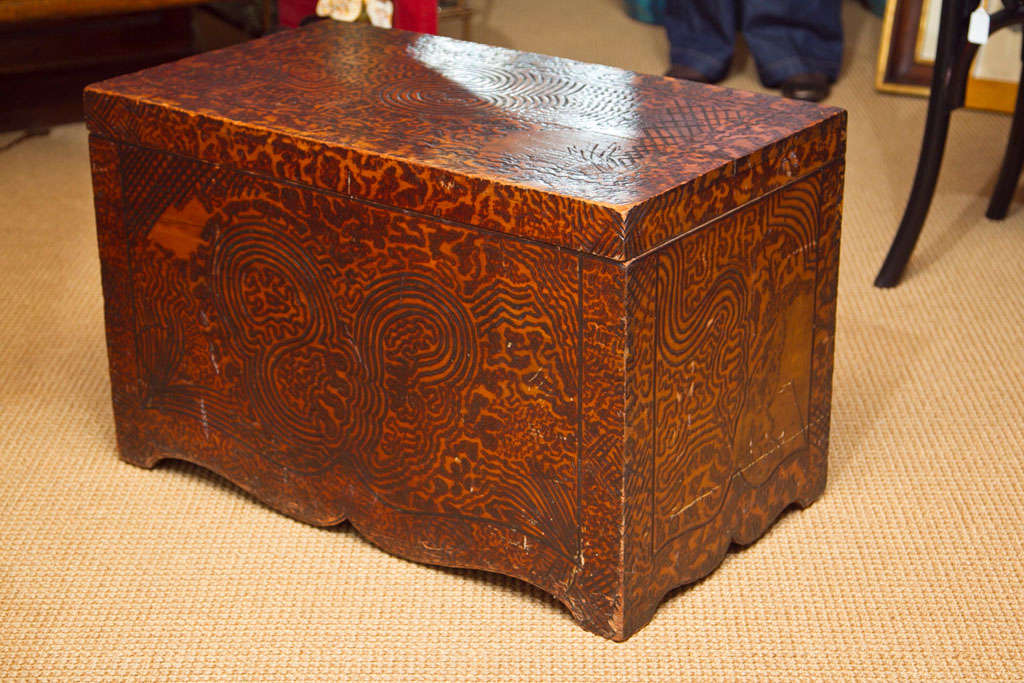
498 310
465 131
729 423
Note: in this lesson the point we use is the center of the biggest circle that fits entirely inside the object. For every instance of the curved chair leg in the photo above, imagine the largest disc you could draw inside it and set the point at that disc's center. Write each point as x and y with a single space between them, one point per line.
949 83
949 79
1009 174
932 148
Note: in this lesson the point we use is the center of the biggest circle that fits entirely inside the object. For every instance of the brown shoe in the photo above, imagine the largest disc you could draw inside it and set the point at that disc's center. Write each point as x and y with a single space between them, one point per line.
811 87
686 73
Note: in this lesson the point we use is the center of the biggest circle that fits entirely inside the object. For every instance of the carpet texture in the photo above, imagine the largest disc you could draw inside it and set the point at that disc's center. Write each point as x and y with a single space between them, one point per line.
910 566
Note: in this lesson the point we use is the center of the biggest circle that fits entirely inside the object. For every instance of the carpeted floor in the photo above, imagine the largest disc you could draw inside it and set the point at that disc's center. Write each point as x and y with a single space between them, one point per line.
910 565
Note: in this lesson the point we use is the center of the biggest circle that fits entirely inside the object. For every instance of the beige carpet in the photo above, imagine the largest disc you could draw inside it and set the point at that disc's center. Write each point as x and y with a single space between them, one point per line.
910 566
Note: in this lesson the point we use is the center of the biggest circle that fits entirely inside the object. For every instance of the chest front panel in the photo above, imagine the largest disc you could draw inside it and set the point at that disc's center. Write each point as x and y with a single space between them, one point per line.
296 335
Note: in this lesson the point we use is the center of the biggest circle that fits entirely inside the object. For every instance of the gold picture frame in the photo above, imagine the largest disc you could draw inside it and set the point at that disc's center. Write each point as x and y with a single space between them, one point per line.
906 56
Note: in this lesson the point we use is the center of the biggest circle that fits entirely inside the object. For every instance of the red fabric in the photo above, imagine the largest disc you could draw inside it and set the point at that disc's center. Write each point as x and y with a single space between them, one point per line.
291 12
412 15
416 15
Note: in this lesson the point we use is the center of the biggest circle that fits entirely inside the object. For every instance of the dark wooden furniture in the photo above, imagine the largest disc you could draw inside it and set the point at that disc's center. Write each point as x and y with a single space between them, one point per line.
949 84
903 68
498 310
51 49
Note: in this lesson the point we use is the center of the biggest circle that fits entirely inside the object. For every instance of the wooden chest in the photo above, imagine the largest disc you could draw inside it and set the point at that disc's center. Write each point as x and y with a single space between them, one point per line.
498 310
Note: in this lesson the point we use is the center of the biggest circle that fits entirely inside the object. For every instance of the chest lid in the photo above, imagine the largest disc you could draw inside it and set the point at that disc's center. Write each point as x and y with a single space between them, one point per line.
581 156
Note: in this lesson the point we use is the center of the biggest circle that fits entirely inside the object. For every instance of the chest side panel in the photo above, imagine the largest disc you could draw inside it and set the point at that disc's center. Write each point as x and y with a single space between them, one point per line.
729 380
341 360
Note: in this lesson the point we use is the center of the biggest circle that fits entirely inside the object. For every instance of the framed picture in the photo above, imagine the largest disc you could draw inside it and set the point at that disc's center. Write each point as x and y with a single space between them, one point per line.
906 56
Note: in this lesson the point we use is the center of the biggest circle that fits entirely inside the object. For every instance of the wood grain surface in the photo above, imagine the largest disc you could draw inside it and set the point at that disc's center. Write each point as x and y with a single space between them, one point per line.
434 299
567 153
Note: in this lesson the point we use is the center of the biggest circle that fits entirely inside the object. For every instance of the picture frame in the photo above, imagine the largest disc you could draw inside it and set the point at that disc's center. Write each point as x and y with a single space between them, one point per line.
907 51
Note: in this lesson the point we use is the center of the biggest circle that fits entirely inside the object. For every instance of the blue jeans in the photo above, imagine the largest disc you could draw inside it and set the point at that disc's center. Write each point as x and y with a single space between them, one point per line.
786 37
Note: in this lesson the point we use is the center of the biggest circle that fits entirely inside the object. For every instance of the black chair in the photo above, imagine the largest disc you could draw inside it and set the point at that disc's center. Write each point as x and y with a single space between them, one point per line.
949 84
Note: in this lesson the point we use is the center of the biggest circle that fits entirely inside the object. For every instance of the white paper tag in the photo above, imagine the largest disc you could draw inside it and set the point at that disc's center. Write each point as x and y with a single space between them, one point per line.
977 30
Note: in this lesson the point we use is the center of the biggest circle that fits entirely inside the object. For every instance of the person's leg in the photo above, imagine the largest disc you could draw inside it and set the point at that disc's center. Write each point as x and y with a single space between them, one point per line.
793 37
701 34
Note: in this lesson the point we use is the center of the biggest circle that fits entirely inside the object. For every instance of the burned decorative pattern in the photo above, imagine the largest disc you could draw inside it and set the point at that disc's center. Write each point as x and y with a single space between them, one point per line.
457 130
727 412
497 310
